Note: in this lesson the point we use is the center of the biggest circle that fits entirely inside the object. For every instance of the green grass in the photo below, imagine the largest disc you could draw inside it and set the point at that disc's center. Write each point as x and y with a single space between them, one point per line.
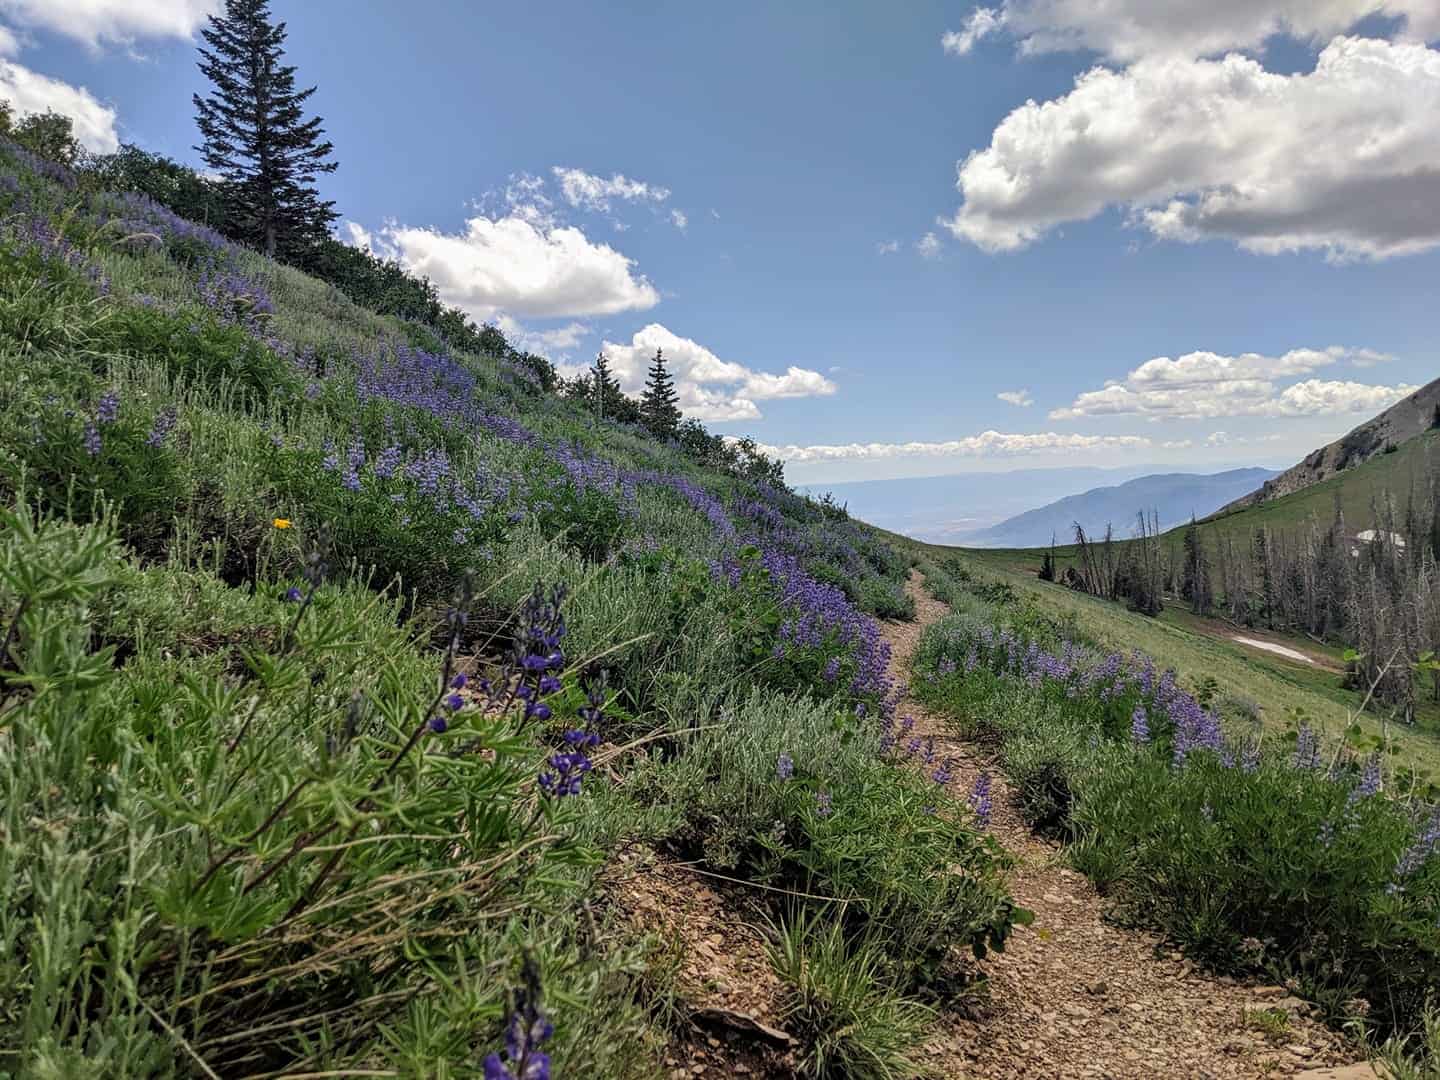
245 827
1281 690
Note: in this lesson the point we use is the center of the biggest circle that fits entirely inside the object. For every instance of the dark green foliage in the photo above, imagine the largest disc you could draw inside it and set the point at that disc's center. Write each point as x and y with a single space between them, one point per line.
890 841
192 737
1195 583
257 137
1286 858
658 409
601 392
48 135
169 183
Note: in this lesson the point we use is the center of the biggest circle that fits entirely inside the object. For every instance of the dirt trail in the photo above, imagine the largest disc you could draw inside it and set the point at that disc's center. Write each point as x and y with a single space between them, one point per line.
1074 995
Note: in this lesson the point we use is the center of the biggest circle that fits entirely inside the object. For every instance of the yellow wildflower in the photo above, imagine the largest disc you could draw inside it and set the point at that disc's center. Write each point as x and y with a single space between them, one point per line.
282 523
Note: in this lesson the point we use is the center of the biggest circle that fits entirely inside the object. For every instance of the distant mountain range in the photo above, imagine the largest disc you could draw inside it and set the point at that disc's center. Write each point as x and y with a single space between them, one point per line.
1175 497
950 509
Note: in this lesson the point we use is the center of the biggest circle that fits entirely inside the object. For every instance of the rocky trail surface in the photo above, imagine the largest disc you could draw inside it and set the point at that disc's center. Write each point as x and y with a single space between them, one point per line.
1075 995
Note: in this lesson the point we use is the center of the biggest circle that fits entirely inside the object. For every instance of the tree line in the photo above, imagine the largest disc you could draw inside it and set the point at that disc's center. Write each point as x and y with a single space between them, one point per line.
1376 591
265 156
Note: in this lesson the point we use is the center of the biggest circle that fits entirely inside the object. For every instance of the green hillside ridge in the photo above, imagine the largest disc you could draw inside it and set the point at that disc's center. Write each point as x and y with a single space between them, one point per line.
1359 488
1411 416
341 660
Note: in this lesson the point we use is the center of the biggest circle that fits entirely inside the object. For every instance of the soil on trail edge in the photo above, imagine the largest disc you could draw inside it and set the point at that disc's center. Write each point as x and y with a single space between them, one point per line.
1074 995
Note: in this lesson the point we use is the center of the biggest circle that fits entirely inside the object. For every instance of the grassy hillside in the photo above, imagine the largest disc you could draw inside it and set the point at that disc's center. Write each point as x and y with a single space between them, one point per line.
338 665
1396 472
1408 418
1279 691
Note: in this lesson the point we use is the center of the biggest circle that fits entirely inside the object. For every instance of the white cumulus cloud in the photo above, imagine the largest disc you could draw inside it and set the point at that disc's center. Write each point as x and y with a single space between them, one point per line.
30 92
1343 159
114 21
928 246
1128 30
708 387
1205 384
887 247
1021 398
522 264
986 444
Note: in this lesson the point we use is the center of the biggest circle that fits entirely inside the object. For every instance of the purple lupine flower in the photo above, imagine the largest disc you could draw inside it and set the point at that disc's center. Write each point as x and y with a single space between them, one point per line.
1417 854
91 440
528 1030
1139 726
1370 778
784 767
1307 748
161 428
567 769
832 669
944 773
822 804
108 411
980 799
293 595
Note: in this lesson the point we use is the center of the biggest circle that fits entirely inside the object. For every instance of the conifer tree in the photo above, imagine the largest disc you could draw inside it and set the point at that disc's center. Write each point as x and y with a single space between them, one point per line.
659 407
257 137
603 385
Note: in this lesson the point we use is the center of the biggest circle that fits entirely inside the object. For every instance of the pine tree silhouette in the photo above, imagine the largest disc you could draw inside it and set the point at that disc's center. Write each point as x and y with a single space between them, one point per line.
658 407
256 136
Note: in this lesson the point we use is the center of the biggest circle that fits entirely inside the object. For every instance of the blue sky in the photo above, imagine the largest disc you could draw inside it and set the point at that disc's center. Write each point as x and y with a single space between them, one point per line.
1251 186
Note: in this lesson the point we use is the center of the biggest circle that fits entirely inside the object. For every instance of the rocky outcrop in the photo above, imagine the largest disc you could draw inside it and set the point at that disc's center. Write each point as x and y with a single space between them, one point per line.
1401 422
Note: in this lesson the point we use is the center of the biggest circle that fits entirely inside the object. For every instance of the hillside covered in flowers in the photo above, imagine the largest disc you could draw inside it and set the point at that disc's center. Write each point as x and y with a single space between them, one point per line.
342 663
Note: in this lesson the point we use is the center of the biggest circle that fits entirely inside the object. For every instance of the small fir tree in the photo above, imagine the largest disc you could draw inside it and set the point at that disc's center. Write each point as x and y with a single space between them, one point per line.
603 386
659 407
257 137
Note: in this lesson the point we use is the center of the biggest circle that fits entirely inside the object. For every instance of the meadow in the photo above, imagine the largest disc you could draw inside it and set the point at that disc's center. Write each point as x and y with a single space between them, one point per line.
340 660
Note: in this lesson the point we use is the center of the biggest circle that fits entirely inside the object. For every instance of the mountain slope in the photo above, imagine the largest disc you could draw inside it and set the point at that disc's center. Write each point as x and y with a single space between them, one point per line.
1176 497
1358 490
1396 425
